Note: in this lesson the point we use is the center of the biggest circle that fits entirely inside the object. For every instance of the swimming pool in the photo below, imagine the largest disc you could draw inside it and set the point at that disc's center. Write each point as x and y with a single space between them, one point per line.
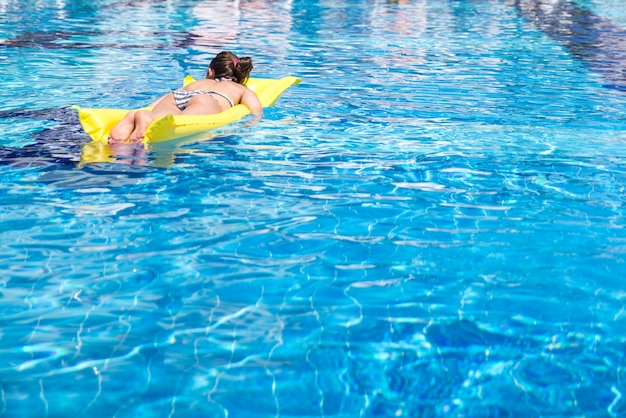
430 224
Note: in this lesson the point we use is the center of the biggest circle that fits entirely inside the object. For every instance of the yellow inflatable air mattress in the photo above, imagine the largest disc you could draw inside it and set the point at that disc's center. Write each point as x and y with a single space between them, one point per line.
97 123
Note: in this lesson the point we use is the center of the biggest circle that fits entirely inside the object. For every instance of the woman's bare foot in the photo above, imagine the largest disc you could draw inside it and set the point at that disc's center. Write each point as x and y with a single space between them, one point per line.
143 119
123 129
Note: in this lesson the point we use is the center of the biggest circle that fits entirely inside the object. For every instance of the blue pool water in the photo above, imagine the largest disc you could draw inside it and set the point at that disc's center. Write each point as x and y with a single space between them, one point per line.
430 225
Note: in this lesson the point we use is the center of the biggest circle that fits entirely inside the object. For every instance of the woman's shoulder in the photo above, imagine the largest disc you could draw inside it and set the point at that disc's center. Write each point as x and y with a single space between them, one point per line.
208 83
200 84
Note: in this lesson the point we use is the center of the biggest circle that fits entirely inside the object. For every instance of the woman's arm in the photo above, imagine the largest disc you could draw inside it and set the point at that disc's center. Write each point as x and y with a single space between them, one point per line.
252 102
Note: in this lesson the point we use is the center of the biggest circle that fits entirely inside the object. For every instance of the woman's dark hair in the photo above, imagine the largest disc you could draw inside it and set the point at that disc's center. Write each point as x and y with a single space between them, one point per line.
227 65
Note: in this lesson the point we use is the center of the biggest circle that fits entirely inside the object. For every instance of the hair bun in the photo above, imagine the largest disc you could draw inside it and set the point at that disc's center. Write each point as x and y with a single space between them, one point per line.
242 68
228 65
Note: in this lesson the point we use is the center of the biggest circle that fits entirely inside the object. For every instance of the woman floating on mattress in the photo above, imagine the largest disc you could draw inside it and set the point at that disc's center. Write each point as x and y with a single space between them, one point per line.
222 89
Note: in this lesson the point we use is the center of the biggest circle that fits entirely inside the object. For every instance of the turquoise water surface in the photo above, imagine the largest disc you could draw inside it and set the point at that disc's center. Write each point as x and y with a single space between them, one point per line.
430 224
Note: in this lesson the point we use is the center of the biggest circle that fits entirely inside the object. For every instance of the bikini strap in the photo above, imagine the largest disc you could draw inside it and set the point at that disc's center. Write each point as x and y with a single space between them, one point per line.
232 104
